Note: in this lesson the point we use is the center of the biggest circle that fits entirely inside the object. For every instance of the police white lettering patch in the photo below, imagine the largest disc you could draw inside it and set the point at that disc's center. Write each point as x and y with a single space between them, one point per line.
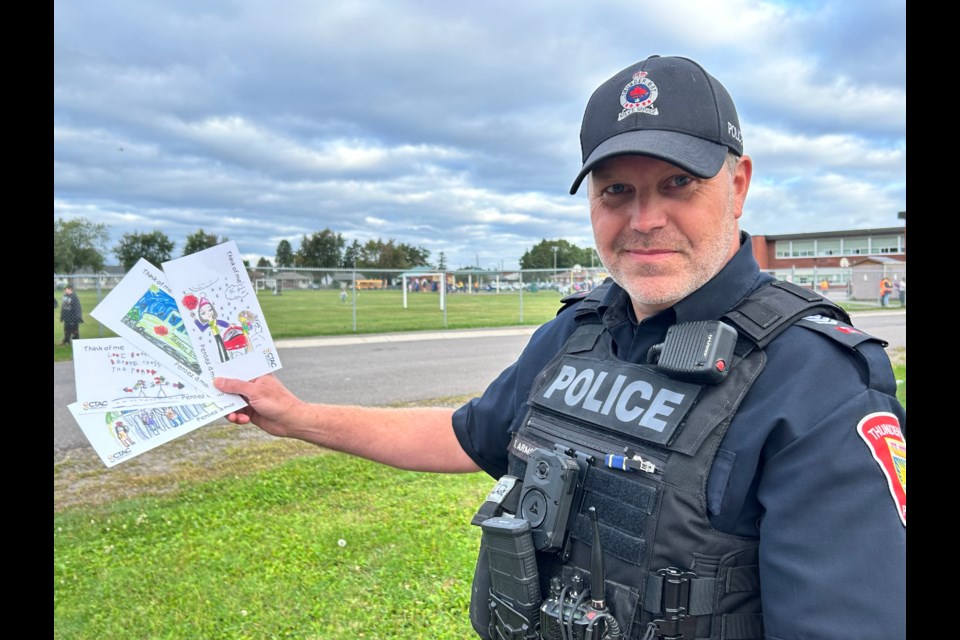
622 397
882 434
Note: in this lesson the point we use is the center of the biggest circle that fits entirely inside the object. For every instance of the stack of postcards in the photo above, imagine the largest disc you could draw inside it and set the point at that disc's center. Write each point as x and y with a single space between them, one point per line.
178 328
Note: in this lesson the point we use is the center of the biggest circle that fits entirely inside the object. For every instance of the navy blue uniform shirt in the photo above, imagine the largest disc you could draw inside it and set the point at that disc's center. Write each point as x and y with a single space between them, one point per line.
791 469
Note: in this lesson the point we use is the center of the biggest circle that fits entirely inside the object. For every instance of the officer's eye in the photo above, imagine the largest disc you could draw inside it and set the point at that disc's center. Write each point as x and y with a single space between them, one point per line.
615 189
679 181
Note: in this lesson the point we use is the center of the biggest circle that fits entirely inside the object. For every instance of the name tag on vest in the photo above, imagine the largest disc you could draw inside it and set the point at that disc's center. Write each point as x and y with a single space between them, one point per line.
619 396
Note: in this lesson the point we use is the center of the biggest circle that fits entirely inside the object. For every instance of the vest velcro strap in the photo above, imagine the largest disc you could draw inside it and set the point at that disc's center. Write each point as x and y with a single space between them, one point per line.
584 339
765 313
743 579
702 596
741 626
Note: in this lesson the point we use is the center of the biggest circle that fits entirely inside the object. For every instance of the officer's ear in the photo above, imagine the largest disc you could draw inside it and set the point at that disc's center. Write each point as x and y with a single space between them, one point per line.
740 183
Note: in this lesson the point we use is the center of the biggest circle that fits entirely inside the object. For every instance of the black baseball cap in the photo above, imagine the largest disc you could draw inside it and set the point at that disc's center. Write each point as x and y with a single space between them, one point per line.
664 107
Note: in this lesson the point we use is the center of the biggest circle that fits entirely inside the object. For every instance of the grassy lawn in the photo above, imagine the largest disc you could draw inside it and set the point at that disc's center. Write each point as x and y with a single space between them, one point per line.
319 546
233 534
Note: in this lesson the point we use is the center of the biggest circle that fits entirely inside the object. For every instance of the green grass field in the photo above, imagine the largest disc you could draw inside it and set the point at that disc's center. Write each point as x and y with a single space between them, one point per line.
322 546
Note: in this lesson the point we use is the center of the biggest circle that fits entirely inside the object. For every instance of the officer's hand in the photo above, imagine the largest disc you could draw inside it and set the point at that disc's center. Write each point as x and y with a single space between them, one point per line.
270 405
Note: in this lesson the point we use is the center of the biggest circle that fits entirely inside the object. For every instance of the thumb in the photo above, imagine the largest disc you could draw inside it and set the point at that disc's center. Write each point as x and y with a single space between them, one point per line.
230 385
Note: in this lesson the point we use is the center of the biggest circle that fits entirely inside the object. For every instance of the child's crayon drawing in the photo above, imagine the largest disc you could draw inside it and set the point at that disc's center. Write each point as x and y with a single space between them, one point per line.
142 310
221 314
154 382
113 374
122 434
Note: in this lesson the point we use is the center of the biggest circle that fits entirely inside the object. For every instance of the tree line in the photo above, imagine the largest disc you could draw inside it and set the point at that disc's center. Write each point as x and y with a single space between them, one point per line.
80 245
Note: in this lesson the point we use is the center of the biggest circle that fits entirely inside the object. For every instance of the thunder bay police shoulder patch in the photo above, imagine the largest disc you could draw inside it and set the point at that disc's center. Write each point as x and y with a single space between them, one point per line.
882 434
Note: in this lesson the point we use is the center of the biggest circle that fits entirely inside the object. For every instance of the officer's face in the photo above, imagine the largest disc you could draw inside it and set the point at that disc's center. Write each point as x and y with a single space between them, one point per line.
662 232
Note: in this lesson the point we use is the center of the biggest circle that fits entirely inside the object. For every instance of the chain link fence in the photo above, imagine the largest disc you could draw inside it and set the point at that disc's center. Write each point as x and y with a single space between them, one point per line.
859 283
407 285
277 280
856 284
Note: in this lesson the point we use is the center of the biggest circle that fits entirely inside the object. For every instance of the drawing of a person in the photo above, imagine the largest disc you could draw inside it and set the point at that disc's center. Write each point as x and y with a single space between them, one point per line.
157 416
209 320
122 434
174 417
149 422
247 319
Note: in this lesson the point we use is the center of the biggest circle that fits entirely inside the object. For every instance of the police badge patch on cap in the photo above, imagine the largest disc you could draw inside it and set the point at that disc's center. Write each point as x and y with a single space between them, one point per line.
638 95
882 434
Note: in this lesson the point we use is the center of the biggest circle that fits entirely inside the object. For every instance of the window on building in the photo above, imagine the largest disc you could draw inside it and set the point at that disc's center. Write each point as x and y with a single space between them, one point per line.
783 248
803 248
886 244
859 246
828 247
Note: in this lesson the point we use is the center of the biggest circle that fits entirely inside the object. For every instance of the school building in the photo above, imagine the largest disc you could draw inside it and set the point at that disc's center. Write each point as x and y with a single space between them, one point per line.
851 261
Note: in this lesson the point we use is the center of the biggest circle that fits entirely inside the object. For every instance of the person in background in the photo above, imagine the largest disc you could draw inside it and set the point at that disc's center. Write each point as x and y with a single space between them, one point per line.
886 288
71 315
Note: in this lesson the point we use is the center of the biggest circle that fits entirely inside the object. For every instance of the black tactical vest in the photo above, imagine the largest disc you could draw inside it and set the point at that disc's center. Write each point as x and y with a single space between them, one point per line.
633 447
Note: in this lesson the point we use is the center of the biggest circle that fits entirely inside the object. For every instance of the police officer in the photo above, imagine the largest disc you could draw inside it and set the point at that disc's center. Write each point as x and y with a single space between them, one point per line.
692 450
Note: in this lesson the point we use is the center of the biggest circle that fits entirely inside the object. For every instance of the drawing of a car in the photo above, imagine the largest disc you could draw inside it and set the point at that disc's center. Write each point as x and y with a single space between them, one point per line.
233 338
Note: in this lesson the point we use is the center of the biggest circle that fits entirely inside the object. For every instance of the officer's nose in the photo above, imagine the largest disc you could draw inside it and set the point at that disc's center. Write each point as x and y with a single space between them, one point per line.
646 213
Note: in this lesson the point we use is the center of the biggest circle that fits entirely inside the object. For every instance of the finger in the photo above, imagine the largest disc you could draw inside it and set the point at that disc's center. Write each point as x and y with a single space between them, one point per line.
229 385
238 418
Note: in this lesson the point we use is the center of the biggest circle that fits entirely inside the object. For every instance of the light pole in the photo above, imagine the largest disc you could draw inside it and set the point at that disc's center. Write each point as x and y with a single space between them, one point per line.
556 282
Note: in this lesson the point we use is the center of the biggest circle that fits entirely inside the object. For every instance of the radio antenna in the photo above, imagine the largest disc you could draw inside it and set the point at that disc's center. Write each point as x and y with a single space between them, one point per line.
596 565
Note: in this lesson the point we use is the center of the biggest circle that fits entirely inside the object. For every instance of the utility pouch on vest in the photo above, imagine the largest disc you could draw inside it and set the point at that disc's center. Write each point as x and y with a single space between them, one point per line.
506 591
514 600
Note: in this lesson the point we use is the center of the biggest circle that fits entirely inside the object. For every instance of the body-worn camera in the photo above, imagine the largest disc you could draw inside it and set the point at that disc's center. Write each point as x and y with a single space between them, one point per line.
547 494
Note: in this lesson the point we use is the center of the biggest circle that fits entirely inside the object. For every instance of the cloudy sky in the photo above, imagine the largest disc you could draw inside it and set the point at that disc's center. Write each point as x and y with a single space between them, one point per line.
453 126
